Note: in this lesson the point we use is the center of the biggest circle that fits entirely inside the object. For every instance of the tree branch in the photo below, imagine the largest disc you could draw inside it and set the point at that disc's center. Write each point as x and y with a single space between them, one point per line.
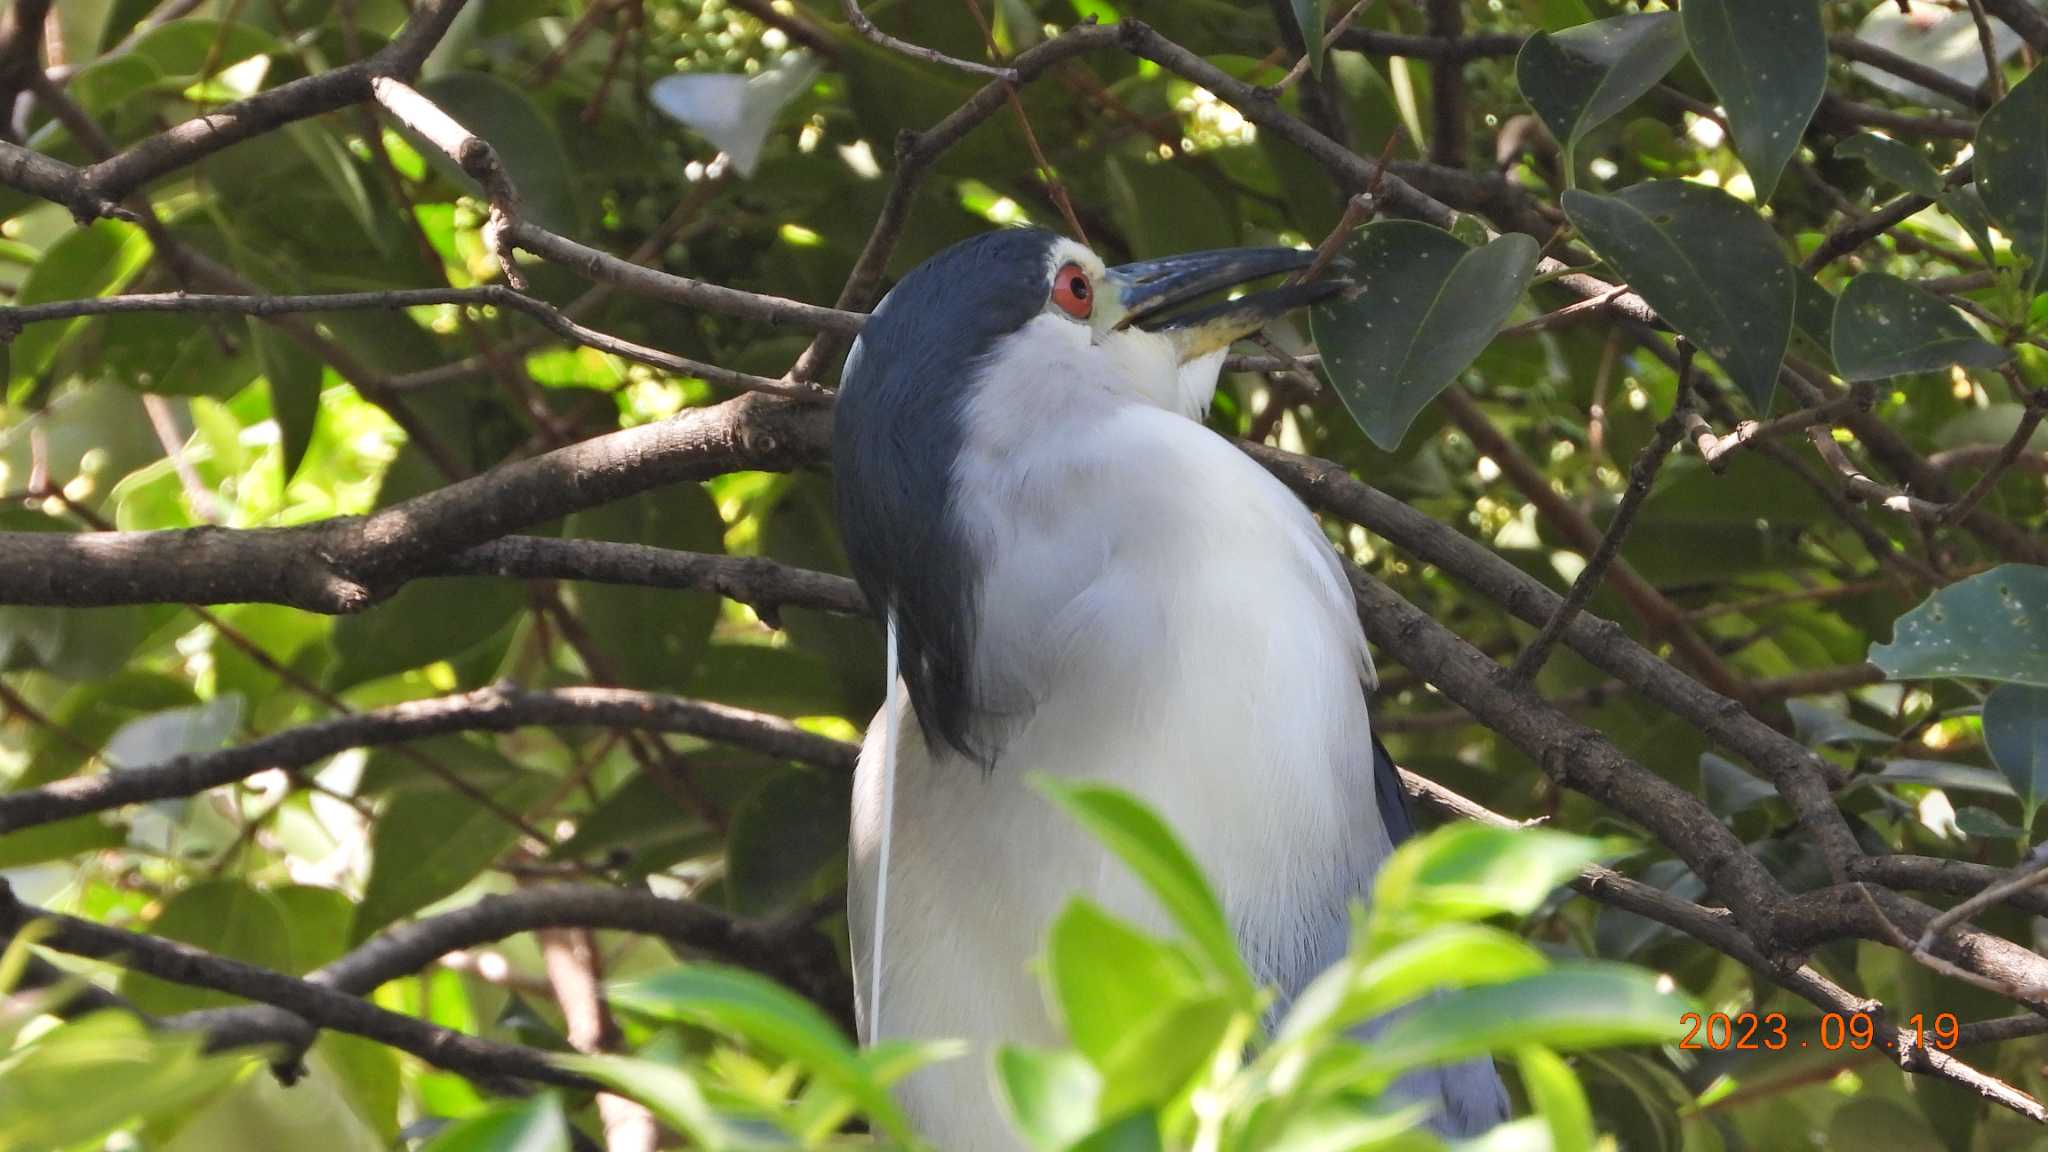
499 708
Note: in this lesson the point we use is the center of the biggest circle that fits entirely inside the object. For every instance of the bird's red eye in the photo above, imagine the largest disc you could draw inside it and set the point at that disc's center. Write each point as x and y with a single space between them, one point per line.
1071 292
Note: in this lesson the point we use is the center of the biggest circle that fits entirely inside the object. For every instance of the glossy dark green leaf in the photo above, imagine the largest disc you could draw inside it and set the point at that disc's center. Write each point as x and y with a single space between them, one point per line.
1768 61
1894 160
1049 1095
1885 327
1947 775
524 139
2016 734
1985 824
1579 78
1816 725
429 842
782 835
653 637
1310 15
96 260
293 376
531 1125
226 917
1729 788
1426 305
2012 170
1966 206
1993 625
1708 264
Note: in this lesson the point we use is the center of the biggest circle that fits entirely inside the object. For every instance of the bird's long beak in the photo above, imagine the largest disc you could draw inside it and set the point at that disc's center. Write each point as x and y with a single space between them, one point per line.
1149 290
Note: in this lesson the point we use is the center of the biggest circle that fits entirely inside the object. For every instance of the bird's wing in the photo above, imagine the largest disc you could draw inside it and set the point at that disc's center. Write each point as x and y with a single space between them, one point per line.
1395 814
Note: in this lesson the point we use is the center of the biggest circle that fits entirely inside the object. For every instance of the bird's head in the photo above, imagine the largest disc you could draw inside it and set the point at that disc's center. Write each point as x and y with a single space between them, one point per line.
998 336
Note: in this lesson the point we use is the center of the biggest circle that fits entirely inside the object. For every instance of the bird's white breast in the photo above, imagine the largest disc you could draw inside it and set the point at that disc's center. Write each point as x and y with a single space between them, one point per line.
1155 612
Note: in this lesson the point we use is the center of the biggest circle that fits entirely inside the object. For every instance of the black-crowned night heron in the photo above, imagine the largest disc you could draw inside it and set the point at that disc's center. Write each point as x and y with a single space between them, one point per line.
1082 580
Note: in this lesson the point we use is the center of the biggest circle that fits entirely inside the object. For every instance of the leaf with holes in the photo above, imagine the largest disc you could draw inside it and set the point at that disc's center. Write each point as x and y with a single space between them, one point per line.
1708 264
1992 626
1885 327
1426 305
2012 170
1768 61
1578 78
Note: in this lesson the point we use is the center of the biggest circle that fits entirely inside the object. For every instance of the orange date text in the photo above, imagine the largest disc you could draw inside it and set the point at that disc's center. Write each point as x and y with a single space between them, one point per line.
1773 1032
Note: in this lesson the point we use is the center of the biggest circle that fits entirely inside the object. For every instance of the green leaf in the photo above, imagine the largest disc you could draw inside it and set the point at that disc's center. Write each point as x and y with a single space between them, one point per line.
1154 1063
98 259
1728 788
174 732
782 835
429 842
1107 978
293 376
525 141
1583 1006
1993 626
1425 307
82 1080
1885 327
1310 15
1579 78
1472 871
1049 1095
226 917
653 636
2016 734
669 1090
1768 61
1966 205
1946 774
1896 161
1137 1132
1453 956
1986 824
75 837
752 1008
1816 725
1709 265
533 1125
2012 169
1555 1095
1149 848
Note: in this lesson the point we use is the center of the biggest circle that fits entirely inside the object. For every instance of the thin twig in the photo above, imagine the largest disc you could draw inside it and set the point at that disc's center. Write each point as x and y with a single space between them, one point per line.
1642 475
866 28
